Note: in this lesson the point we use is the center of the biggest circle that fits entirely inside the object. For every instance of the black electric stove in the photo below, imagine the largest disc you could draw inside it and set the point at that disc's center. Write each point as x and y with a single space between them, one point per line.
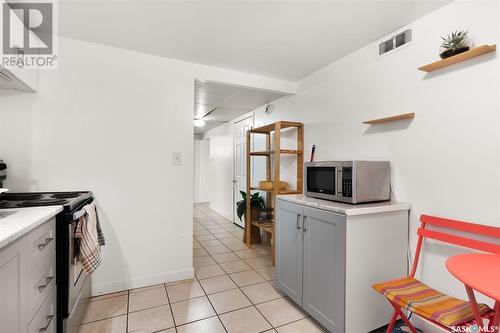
69 200
73 285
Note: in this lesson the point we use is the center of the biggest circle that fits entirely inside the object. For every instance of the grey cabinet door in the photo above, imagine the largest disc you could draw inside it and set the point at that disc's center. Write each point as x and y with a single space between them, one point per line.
289 249
324 267
12 288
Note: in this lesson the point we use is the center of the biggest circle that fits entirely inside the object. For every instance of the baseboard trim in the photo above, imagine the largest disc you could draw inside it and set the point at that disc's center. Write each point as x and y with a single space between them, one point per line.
111 287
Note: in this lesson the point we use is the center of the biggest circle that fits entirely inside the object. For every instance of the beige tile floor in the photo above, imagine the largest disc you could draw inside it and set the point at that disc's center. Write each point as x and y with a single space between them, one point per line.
232 292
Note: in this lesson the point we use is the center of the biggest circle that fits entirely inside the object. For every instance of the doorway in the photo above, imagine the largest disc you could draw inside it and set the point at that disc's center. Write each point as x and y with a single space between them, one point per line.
239 180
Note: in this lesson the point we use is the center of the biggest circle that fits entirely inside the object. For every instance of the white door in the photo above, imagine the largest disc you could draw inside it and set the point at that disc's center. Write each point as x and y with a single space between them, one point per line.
239 182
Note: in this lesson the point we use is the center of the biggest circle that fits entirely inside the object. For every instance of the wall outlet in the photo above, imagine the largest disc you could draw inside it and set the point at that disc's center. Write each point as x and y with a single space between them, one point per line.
177 158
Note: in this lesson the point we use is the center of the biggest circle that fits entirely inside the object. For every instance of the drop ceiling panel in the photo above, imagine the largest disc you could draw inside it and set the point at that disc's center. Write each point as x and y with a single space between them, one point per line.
215 94
221 103
202 109
222 113
250 99
208 126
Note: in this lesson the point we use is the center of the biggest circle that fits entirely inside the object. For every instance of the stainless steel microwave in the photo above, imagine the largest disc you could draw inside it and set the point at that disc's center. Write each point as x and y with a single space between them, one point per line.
348 181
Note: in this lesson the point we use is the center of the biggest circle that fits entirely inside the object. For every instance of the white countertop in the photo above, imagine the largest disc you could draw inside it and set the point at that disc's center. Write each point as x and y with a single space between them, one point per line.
22 220
346 209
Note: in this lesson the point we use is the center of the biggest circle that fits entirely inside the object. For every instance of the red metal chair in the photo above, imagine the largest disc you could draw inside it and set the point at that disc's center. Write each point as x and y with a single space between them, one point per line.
414 296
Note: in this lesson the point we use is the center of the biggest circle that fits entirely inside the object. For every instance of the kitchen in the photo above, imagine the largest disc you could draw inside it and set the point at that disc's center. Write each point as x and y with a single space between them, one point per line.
111 116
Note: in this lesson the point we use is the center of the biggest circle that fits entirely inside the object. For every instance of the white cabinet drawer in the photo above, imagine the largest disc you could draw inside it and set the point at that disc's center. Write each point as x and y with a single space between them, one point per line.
45 319
41 244
40 283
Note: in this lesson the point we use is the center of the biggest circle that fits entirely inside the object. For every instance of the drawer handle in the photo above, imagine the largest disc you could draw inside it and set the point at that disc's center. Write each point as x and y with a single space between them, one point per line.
298 218
47 282
304 223
47 242
46 327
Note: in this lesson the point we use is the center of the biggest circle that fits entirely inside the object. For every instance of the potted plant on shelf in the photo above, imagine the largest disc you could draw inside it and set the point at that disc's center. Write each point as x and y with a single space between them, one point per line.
455 43
256 203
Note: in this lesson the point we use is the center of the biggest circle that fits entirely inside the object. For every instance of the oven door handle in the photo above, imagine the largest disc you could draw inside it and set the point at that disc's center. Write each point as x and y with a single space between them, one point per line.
81 212
78 214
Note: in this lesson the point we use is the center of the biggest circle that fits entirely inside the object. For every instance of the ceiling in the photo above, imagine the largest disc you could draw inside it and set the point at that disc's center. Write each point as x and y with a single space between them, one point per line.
278 38
218 103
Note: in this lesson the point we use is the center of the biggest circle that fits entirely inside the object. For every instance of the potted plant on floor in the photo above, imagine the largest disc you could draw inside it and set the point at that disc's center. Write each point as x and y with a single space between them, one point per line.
256 203
455 43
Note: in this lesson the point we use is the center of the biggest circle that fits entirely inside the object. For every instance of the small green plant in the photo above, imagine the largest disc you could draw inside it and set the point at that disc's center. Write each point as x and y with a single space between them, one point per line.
256 201
455 40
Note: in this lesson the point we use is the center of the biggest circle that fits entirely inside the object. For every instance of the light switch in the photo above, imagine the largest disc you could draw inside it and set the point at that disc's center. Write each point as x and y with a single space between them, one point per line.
177 158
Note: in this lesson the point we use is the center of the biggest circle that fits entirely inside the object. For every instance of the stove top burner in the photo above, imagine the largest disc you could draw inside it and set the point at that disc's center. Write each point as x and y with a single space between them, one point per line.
21 196
4 203
65 195
42 202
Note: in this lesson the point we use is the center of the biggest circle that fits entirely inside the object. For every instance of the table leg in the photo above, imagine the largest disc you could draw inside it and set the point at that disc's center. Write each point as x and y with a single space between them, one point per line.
475 307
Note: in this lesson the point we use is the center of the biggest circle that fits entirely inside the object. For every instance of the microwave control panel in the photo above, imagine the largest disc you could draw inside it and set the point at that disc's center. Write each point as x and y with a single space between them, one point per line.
347 182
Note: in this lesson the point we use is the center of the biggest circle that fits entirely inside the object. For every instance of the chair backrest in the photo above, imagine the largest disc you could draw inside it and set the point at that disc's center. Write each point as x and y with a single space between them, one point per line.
471 228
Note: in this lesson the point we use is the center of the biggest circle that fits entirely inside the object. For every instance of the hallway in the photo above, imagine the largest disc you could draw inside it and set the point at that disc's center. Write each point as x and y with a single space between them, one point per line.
239 281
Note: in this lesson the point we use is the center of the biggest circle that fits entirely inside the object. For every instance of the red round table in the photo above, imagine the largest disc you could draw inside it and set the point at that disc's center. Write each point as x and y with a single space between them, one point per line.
480 272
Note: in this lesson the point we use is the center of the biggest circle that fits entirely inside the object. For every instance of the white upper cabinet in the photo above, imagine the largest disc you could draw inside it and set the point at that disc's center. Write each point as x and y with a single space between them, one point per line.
19 79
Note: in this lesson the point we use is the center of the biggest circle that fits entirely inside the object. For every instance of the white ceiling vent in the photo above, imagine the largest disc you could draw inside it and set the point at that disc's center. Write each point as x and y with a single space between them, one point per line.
394 42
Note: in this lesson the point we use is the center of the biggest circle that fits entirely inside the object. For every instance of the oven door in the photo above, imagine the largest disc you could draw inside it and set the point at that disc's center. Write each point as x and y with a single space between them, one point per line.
322 180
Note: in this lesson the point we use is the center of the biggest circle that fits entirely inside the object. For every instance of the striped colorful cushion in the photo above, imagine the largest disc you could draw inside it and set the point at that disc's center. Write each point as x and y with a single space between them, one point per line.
413 295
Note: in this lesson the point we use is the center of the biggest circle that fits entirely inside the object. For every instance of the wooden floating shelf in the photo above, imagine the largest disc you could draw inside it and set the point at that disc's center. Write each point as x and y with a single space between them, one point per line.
272 190
389 119
472 53
271 152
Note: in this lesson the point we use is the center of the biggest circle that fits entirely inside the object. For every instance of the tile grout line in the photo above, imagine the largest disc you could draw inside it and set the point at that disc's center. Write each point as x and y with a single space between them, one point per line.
206 295
209 301
249 300
170 306
128 309
306 316
272 327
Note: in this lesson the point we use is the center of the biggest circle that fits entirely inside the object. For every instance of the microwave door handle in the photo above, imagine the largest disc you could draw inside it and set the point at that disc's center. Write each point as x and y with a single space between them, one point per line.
339 182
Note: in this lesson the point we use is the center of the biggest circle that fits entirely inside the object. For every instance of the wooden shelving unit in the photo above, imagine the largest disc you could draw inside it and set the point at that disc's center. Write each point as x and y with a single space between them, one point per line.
389 119
472 53
273 154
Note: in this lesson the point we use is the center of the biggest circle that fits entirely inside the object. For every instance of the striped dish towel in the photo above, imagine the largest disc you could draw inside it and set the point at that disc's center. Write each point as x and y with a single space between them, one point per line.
90 238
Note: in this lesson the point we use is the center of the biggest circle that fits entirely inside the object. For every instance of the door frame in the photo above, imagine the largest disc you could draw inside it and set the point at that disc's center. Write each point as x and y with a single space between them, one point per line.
246 116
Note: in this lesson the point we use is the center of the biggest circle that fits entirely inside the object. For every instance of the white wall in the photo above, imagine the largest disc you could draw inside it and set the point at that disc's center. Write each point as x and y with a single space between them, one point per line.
446 162
108 120
221 169
202 169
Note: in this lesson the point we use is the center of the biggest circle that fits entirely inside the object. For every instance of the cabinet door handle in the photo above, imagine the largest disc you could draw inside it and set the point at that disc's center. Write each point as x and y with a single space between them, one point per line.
43 245
304 223
46 327
298 223
47 282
